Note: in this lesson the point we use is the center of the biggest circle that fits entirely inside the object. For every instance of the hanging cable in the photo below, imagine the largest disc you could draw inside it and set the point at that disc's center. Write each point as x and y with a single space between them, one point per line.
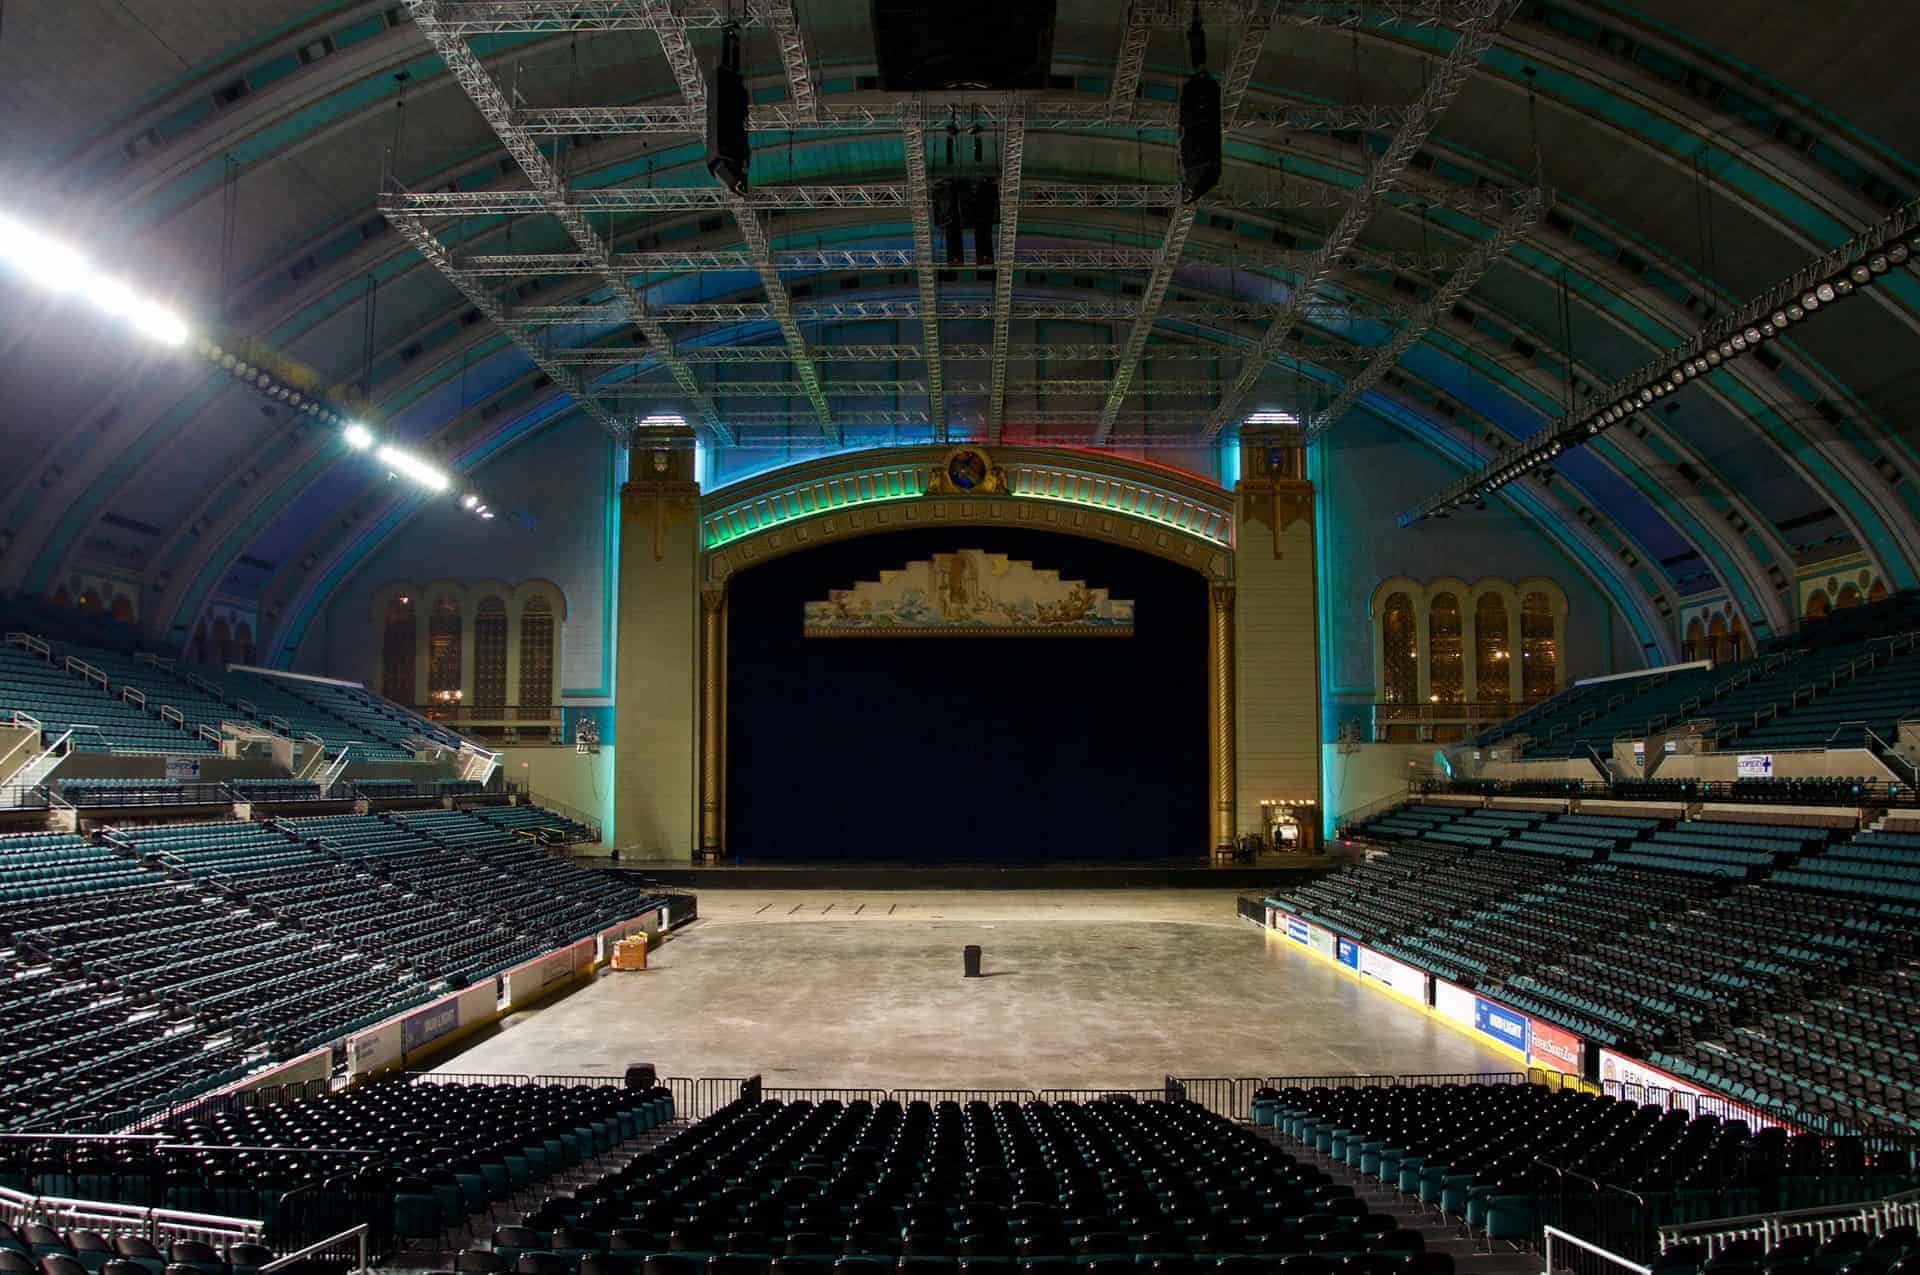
1533 128
366 344
229 228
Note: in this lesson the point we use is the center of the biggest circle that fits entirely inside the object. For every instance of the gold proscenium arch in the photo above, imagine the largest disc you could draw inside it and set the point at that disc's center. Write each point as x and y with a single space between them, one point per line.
681 545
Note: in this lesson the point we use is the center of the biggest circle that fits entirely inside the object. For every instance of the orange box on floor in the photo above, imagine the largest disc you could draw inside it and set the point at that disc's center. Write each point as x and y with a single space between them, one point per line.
630 953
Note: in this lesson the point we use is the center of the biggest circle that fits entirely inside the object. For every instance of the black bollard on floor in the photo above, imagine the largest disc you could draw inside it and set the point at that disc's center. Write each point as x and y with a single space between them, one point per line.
971 955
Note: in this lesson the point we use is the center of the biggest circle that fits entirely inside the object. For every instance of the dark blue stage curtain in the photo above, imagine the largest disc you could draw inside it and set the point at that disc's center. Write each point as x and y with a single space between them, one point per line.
985 750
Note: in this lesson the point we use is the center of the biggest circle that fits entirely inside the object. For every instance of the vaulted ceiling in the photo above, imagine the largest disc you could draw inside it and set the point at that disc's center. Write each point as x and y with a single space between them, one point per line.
1579 185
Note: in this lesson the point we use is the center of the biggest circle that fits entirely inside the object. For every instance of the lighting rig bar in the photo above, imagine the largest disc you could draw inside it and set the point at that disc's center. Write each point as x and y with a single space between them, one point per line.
1480 201
1381 175
926 276
954 308
1013 150
1458 285
521 265
911 385
1829 280
1044 114
468 18
614 356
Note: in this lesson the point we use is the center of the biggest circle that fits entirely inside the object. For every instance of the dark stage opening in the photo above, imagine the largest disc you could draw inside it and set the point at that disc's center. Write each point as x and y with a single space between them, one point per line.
982 749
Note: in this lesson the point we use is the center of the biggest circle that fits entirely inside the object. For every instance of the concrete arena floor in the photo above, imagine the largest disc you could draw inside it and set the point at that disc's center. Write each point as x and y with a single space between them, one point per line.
1084 989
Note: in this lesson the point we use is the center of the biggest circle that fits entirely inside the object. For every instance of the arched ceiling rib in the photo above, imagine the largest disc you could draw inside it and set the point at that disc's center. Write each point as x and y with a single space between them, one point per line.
311 145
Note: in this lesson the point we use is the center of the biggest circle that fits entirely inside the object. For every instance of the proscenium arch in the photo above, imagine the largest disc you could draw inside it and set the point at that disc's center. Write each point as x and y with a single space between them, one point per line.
1153 509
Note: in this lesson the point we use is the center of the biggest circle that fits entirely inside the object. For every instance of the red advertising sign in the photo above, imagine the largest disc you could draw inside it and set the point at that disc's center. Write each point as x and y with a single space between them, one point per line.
1554 1047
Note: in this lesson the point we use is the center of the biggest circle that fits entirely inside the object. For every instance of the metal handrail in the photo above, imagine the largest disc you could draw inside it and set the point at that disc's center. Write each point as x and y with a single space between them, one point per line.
357 1234
1771 1228
1553 1234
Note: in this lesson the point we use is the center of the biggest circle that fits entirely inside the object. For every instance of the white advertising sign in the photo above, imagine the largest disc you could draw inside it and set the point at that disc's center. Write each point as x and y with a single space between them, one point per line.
1397 975
1453 1002
1756 766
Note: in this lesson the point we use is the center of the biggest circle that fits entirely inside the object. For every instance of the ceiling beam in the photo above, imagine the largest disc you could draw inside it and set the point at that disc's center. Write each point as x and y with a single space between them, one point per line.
927 275
1447 80
1013 150
492 104
966 308
1102 258
1173 245
785 24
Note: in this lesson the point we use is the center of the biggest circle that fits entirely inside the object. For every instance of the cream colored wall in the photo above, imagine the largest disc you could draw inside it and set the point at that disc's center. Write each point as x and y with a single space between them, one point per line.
1371 773
1724 767
1277 659
583 781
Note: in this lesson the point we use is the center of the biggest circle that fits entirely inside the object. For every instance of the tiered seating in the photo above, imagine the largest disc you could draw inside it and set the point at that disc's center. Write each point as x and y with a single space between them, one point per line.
1642 700
529 818
1412 822
1732 850
379 789
1474 1151
100 722
46 865
1548 717
1675 790
1580 836
1878 697
1880 864
375 718
1823 791
228 846
272 697
158 685
277 790
1105 1186
128 792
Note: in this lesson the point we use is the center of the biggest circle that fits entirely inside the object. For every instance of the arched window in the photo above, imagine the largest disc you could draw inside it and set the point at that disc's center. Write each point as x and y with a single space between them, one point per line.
1878 592
1691 648
243 642
1446 669
1400 652
200 643
61 598
490 656
1540 669
123 609
443 652
1849 597
398 632
1490 658
536 660
222 641
1739 645
1818 605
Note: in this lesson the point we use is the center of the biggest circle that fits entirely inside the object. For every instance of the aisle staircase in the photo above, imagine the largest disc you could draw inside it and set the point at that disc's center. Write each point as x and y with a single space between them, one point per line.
1442 1234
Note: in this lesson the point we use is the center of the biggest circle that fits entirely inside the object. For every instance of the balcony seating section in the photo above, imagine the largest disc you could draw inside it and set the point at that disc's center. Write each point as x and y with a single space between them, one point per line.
385 789
159 685
1877 697
1850 790
1550 715
1626 708
129 792
1475 1152
375 717
228 846
1104 1187
1579 836
273 697
271 790
1410 822
101 722
35 866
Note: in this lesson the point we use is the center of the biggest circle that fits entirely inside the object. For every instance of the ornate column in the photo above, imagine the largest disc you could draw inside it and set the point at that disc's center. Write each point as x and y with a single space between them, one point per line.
713 720
1223 767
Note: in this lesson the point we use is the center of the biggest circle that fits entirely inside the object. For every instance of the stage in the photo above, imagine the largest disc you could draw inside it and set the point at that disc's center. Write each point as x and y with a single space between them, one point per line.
1194 873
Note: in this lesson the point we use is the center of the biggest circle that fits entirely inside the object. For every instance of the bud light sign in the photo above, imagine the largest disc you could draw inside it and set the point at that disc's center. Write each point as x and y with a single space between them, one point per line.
1347 952
1500 1023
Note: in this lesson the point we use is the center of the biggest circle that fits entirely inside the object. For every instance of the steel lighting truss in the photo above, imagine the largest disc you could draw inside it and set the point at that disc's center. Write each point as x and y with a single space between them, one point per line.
1445 84
450 24
1829 279
911 385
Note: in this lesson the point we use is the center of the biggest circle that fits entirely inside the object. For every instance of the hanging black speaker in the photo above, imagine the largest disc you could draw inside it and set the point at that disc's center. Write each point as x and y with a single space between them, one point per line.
1199 136
982 211
728 151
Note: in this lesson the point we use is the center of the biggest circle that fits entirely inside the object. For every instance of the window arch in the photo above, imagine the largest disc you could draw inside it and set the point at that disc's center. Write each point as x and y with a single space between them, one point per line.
1691 647
1818 605
243 642
1848 599
199 647
222 641
1491 660
1878 592
399 629
490 655
122 610
61 598
1539 651
1446 659
536 659
1400 651
443 651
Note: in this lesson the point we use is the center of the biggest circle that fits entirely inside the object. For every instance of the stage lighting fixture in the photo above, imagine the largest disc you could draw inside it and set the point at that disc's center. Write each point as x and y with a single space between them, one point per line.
469 500
728 151
358 436
412 467
1199 121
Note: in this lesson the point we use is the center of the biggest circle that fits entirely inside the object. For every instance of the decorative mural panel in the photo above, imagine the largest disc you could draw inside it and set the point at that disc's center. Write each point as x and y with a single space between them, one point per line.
969 593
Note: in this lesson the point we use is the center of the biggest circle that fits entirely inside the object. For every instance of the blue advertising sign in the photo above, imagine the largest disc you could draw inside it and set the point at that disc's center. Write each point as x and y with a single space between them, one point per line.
1500 1023
429 1025
1348 953
1297 930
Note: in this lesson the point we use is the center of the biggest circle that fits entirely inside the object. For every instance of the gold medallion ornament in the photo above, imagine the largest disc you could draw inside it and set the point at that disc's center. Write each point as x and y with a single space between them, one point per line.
967 471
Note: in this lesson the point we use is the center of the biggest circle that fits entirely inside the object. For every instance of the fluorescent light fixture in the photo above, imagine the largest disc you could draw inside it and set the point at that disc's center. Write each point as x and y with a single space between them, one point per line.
58 268
1271 417
358 436
662 420
412 467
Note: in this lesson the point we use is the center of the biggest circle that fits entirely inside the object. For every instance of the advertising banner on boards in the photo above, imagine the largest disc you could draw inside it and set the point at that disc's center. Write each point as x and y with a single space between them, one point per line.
1396 975
1755 766
1320 939
1347 952
1453 1003
1554 1047
1503 1024
1297 931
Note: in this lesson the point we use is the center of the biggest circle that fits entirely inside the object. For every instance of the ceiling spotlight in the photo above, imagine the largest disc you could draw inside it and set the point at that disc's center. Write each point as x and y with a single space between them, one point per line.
1796 312
410 466
469 500
482 511
1780 319
1843 286
488 515
1897 254
1860 274
358 436
1825 293
1810 301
